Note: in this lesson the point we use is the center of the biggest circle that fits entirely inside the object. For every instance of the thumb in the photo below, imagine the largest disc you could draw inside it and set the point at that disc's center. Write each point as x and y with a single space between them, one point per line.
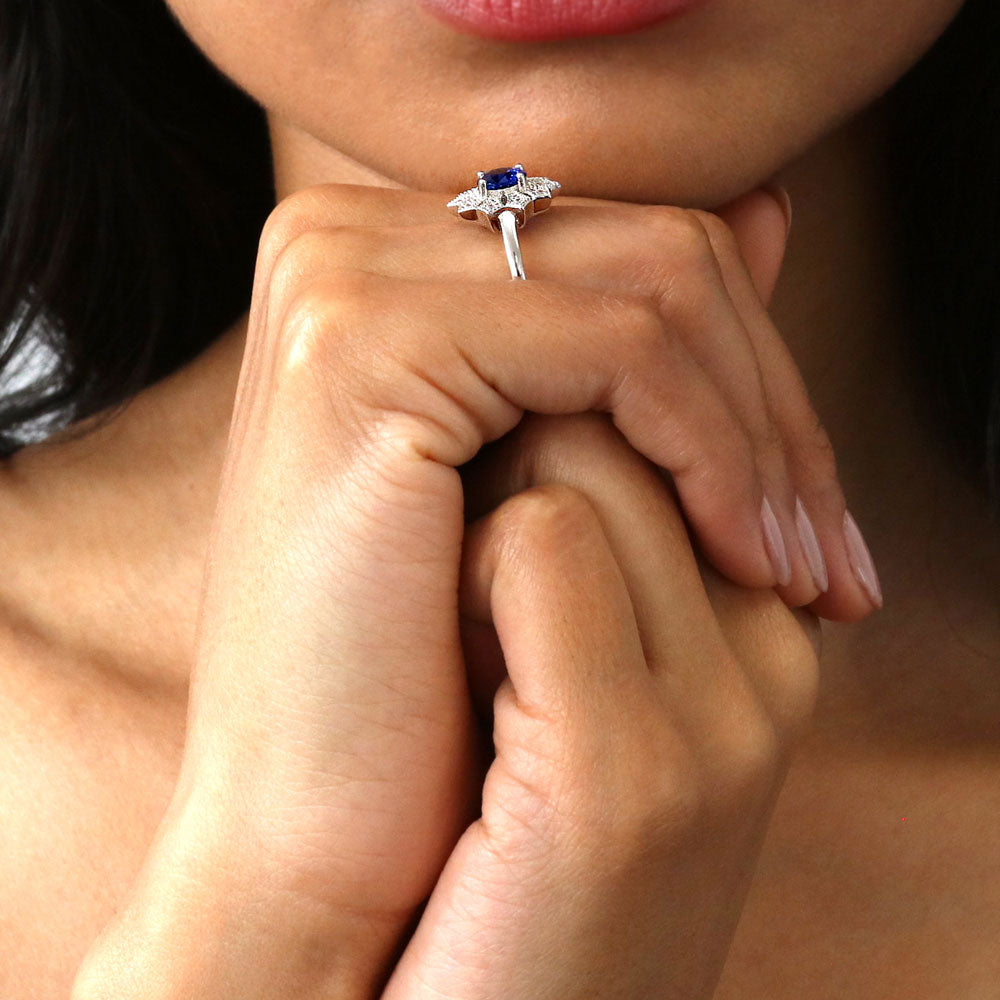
760 220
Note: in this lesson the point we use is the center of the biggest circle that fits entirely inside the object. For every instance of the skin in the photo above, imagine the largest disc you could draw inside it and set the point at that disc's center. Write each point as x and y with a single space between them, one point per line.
884 719
761 82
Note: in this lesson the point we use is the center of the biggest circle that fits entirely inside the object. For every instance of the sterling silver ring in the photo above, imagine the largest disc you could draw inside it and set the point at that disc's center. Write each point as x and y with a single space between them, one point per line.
503 200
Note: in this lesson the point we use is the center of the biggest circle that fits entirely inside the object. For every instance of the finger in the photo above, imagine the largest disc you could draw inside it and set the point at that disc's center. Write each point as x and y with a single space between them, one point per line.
590 776
760 220
808 577
591 245
540 568
701 670
674 264
410 352
818 499
777 646
317 206
639 516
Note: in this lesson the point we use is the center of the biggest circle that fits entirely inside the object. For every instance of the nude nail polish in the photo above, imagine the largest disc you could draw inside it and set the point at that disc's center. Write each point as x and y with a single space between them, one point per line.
775 544
861 560
811 547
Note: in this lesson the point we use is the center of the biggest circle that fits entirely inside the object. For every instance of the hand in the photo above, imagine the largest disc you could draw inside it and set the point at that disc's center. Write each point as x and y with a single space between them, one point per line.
559 889
332 757
709 276
643 718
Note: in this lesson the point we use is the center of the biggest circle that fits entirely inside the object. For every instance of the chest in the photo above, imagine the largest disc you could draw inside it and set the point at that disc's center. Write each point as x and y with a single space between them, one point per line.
878 878
85 776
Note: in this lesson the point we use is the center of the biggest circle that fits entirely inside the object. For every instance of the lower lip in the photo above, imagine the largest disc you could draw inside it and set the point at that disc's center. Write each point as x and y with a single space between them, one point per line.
549 20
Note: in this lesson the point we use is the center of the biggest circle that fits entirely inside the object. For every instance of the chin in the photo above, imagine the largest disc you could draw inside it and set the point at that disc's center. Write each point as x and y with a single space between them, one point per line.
692 112
681 161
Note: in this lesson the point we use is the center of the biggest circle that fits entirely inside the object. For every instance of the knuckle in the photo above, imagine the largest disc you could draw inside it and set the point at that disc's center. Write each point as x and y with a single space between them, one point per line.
725 442
794 668
716 228
720 442
292 215
748 756
317 317
315 249
547 519
667 801
681 234
776 650
654 802
679 263
642 349
642 331
295 258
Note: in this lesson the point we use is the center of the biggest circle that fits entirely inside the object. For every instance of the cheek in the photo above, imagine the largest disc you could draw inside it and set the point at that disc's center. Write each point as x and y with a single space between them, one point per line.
693 111
865 45
812 65
254 42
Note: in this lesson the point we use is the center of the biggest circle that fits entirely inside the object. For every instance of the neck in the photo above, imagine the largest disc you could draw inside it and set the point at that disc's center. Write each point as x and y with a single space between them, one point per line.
121 517
924 668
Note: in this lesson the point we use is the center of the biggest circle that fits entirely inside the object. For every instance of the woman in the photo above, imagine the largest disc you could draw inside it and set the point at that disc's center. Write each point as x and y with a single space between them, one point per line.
328 671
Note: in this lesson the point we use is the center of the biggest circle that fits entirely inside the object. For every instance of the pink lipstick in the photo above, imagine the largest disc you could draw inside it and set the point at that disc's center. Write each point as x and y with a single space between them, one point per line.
549 20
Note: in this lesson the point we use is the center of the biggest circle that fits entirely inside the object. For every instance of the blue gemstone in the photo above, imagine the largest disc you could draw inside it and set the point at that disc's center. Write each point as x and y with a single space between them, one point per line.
501 177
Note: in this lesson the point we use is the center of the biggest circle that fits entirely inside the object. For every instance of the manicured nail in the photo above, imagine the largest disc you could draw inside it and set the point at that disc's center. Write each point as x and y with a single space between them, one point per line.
810 546
781 196
775 544
861 560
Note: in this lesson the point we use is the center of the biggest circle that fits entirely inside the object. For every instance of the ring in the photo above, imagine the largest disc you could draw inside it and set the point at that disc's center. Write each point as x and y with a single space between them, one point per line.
504 200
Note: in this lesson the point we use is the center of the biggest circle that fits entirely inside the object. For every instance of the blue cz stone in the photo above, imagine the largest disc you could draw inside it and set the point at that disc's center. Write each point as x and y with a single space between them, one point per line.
501 177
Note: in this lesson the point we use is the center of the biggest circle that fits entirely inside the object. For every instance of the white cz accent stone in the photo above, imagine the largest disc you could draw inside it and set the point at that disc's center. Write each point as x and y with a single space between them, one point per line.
495 202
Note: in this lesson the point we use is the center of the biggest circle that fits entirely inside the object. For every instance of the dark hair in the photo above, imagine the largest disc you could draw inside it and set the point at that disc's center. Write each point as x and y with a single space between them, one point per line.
134 181
945 170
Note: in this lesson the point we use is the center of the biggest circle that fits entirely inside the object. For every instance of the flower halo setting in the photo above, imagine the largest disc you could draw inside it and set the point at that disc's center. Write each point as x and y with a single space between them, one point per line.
505 189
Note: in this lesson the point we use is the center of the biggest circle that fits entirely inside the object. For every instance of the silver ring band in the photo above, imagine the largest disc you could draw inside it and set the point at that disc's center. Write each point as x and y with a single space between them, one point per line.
511 244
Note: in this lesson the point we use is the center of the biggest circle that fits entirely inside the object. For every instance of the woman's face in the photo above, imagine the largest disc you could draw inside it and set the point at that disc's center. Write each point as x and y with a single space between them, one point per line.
693 110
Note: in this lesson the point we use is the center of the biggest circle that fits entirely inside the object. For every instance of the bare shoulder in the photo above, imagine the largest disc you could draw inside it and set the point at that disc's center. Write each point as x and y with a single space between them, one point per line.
86 769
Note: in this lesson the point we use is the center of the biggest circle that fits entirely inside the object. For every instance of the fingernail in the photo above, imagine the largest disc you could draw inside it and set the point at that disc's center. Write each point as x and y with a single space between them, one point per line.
783 199
810 546
775 544
861 560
